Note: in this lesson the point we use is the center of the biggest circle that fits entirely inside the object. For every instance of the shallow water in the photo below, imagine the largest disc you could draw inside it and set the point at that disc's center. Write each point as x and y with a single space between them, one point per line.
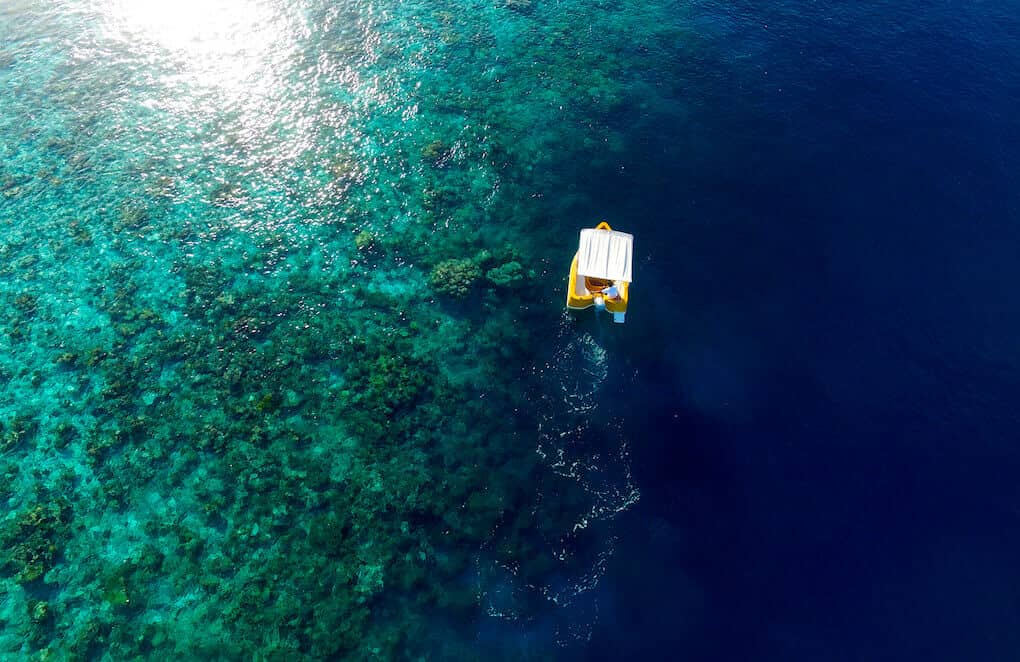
285 367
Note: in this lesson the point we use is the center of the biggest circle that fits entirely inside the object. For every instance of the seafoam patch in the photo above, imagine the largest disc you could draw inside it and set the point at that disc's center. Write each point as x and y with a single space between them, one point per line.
587 482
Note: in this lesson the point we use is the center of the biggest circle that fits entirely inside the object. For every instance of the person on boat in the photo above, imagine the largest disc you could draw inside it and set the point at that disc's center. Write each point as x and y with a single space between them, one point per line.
613 291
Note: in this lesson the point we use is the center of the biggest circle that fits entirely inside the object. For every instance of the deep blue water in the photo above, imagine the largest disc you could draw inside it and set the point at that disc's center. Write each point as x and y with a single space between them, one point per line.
824 422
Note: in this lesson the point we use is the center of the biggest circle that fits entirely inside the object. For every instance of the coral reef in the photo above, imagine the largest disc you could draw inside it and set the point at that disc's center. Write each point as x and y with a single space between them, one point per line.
364 240
454 277
32 542
236 422
523 6
509 274
436 152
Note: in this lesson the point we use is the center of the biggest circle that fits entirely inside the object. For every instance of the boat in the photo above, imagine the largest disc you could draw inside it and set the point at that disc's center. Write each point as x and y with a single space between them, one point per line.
600 274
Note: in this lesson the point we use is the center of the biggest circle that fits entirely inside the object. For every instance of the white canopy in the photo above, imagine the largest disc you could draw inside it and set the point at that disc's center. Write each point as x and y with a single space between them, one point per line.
605 254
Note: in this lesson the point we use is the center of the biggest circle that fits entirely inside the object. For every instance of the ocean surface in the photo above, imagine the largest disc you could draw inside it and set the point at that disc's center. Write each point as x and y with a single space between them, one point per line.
285 372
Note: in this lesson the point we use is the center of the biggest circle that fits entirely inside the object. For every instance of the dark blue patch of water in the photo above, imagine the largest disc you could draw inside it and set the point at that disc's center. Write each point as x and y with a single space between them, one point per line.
824 421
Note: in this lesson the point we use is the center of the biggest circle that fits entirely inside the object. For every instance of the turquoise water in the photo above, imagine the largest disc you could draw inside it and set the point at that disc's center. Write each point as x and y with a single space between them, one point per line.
285 372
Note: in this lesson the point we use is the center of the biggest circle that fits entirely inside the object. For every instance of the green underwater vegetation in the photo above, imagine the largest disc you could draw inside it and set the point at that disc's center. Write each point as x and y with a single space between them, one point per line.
272 353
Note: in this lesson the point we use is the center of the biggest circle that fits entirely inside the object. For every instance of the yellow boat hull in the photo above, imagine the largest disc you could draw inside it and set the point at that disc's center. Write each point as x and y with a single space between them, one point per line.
579 297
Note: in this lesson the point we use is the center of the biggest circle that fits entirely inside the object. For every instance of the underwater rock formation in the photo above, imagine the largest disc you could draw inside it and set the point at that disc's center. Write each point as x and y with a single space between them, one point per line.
454 277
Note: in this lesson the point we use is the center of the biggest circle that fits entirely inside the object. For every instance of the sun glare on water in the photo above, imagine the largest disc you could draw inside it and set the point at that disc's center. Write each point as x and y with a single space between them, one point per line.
225 68
221 43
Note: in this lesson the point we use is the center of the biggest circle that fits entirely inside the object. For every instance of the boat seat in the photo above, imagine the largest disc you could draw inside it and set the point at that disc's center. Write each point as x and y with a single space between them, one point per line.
596 284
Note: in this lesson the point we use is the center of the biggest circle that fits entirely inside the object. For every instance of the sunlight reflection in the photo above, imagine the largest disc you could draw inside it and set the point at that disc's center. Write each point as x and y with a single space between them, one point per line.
224 66
221 43
232 78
